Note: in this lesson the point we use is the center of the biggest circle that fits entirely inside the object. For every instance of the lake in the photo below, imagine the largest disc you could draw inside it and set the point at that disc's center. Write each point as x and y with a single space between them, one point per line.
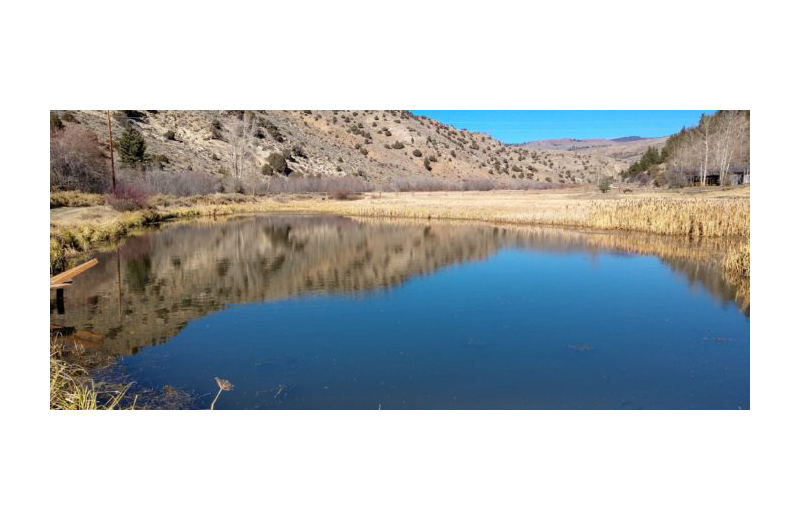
321 312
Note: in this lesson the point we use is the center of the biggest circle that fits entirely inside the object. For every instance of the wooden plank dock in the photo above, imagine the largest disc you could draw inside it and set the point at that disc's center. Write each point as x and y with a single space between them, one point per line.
62 280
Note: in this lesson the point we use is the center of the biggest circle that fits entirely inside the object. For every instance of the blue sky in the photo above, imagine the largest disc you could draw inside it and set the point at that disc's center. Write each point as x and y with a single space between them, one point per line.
516 126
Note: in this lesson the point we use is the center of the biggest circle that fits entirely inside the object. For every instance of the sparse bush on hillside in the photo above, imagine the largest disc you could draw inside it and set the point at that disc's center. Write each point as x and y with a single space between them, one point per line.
136 115
55 122
427 164
216 133
398 145
267 170
417 153
297 151
169 135
159 160
277 161
272 130
131 147
76 161
605 184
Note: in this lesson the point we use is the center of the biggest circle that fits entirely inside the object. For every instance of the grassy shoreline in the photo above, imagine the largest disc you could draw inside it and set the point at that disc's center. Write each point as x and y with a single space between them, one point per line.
73 388
718 213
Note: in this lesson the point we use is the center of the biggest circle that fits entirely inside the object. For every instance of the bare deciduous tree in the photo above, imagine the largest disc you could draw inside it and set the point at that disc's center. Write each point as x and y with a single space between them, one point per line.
241 137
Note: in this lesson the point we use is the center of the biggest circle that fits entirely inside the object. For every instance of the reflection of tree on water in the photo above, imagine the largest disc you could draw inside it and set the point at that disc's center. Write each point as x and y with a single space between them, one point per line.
171 277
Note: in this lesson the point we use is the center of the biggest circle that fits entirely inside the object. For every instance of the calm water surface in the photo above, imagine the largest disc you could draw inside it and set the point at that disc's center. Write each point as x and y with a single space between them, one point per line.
305 312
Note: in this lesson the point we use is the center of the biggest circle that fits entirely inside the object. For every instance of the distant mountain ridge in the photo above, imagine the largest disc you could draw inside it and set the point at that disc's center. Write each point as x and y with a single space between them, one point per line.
628 148
628 139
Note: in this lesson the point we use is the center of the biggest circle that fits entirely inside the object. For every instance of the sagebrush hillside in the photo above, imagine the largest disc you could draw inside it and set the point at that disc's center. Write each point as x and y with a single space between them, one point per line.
627 149
380 146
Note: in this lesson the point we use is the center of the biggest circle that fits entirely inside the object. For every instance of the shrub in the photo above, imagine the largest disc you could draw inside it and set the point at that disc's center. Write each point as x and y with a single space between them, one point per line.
76 162
398 145
159 160
605 184
417 153
479 185
277 161
128 197
341 194
266 169
216 133
170 135
427 164
131 146
137 115
337 187
181 184
273 131
297 151
55 122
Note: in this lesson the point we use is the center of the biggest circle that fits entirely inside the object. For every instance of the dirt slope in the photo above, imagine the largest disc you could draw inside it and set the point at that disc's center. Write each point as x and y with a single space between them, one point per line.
379 145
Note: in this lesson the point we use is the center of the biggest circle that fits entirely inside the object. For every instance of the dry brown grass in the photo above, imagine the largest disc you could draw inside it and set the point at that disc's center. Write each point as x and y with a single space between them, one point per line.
736 269
697 218
71 387
696 213
705 214
69 240
737 260
74 199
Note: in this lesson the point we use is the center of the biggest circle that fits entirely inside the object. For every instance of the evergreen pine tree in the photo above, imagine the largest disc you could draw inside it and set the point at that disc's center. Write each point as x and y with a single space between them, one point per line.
131 146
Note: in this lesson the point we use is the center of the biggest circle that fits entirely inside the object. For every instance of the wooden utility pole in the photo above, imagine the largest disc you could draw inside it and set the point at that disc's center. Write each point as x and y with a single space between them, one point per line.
111 147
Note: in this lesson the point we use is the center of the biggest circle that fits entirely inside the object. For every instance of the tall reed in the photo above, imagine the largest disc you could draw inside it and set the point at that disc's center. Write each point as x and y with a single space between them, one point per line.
71 387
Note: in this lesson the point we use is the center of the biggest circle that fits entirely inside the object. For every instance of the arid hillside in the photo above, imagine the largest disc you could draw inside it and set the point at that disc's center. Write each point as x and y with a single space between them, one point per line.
380 146
628 149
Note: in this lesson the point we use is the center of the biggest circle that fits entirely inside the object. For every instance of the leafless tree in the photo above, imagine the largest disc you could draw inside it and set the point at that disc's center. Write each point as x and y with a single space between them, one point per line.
705 143
240 154
76 161
726 124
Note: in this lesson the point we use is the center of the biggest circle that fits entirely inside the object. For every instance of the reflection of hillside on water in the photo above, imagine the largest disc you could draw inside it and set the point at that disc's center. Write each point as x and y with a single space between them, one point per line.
168 278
